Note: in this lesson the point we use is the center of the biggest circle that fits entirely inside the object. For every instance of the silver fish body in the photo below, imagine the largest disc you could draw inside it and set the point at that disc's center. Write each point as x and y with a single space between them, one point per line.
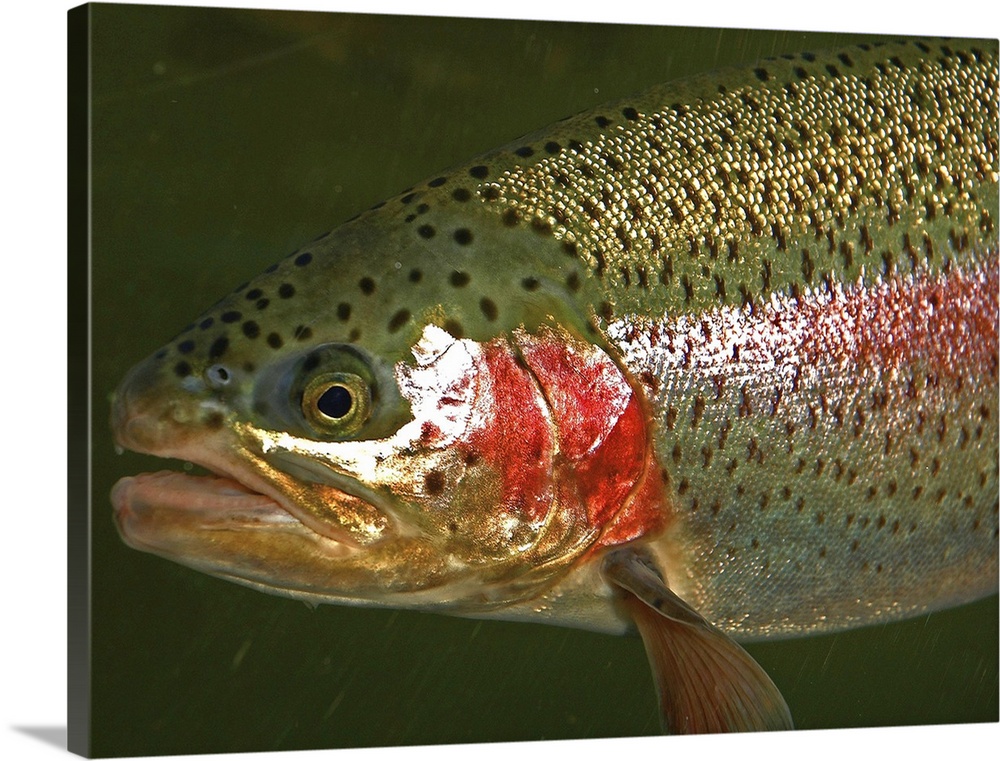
802 303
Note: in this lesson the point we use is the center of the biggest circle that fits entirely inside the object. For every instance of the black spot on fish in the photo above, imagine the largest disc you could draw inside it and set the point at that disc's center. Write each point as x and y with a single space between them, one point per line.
303 259
251 329
613 162
182 369
530 284
541 226
415 276
489 309
573 282
720 287
434 482
343 311
274 341
461 194
630 113
459 279
455 328
479 172
231 316
367 286
286 290
254 293
302 332
761 74
437 182
218 347
600 262
185 347
407 198
602 121
262 303
426 231
213 421
398 320
490 192
206 323
552 147
463 236
524 151
511 217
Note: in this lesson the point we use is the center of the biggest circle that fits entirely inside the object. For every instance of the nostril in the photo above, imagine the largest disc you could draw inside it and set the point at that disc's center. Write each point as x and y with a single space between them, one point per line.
217 376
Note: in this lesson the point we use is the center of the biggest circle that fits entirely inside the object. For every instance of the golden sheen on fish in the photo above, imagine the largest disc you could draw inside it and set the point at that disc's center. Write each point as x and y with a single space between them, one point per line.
717 362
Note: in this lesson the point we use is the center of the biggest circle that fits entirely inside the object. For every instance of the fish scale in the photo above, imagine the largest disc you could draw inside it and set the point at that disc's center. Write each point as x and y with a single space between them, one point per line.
719 360
789 179
869 163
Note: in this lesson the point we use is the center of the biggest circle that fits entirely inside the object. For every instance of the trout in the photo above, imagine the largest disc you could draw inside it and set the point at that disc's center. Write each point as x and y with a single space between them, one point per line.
716 363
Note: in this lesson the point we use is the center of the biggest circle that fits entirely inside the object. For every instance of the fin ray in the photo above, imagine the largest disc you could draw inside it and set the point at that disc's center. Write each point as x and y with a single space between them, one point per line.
705 681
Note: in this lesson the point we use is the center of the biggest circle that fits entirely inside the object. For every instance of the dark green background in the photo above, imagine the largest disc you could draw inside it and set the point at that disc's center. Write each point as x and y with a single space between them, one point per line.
224 139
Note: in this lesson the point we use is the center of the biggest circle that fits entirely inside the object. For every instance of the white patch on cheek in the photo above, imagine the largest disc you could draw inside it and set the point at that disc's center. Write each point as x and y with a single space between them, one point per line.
442 389
448 390
433 342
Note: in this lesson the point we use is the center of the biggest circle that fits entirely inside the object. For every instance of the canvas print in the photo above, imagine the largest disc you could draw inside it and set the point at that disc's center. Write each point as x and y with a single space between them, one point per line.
473 380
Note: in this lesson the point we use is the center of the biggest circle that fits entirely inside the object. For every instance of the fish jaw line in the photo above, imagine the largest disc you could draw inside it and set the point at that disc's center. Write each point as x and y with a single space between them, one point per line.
314 506
245 527
217 526
197 503
170 428
233 494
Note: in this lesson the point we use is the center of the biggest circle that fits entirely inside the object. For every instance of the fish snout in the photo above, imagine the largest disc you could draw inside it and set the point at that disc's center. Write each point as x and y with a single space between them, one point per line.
147 410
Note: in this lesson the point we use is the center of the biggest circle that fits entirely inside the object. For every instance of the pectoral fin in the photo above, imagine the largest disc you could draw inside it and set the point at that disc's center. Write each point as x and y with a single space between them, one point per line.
705 681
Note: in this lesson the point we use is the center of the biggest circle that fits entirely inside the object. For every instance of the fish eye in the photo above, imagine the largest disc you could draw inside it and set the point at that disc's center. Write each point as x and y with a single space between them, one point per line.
336 403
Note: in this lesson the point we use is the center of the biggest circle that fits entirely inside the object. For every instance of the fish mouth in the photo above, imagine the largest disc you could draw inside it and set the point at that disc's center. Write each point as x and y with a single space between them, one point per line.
211 501
243 519
234 526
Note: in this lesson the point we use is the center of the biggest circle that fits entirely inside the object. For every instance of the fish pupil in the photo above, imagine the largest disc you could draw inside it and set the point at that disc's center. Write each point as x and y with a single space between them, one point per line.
335 402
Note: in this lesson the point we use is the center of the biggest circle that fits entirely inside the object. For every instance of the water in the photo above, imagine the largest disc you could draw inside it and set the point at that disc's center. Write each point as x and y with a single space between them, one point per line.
223 140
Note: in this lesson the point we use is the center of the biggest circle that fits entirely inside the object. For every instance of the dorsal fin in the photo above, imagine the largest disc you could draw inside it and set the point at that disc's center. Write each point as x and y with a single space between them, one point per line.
706 682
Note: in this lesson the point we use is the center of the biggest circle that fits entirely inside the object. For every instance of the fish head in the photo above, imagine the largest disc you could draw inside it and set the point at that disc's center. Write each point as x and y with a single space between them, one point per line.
385 427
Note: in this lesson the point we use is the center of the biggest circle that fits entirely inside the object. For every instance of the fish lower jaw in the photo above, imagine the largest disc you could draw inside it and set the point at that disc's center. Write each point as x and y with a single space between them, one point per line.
153 509
217 526
209 500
